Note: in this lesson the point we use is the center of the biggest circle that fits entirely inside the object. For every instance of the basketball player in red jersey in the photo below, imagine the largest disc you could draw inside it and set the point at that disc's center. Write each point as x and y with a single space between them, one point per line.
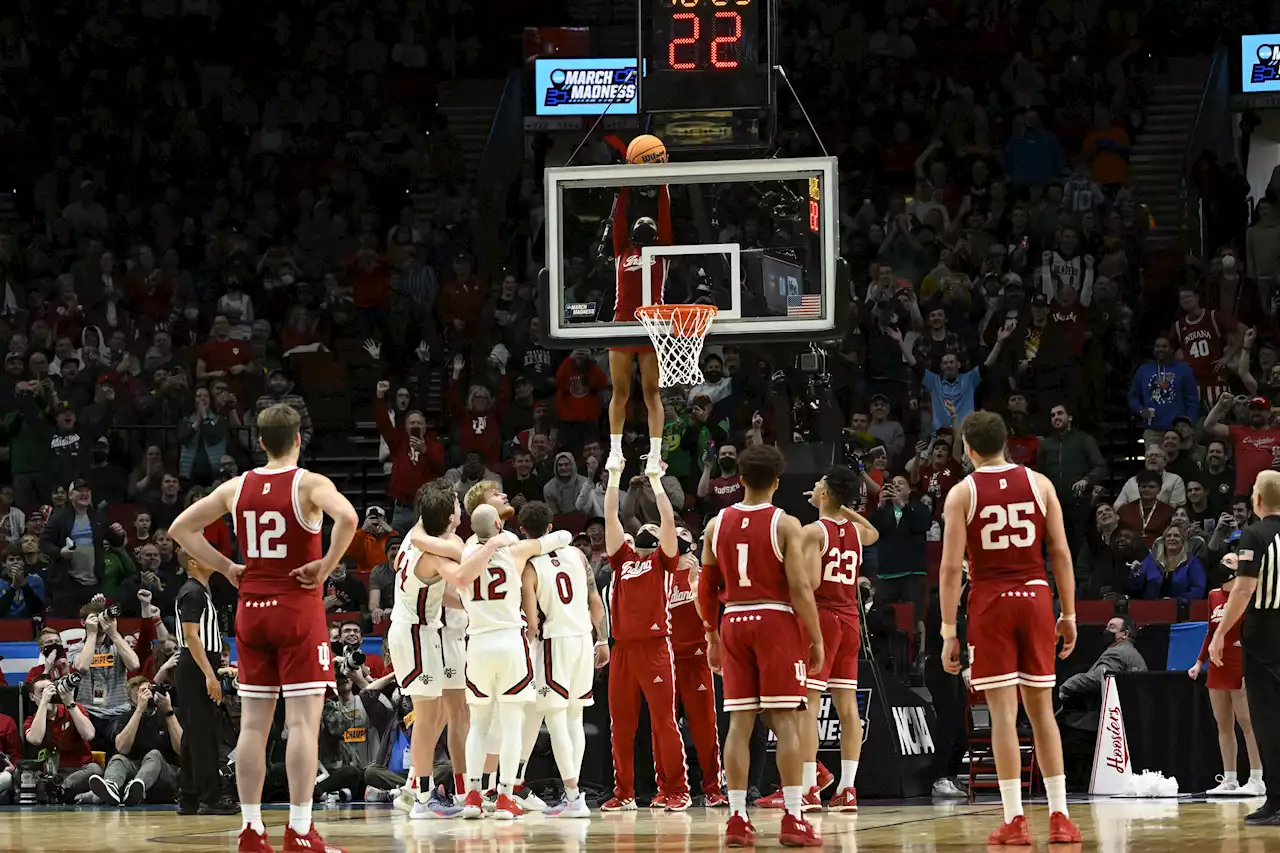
642 663
695 686
1207 341
1000 514
281 636
836 539
754 557
1227 697
628 241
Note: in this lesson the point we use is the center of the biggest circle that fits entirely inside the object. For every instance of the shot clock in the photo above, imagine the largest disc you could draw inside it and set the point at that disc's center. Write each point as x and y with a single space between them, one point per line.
706 54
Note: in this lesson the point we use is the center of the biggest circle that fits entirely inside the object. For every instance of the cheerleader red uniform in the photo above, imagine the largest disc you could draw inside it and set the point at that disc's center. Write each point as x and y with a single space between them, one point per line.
629 263
1229 676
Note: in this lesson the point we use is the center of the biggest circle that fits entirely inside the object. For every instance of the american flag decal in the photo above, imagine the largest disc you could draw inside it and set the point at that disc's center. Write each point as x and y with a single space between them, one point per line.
809 305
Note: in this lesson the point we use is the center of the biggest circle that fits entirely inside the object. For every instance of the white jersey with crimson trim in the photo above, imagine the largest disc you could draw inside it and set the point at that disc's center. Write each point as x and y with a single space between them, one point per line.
563 576
417 602
492 600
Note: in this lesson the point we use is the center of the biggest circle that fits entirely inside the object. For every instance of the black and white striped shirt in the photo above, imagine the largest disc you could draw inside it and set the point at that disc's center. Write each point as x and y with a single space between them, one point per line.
195 605
1260 558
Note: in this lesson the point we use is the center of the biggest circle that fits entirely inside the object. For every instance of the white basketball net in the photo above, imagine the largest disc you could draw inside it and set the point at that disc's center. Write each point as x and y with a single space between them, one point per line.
677 332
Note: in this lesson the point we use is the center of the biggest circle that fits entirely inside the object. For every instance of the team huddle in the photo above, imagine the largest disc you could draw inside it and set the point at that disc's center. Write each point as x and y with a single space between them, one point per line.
517 627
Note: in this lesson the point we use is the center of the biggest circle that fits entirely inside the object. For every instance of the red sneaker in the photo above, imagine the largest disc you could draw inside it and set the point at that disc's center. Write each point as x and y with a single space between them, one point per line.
619 804
798 832
309 843
739 832
659 801
252 842
772 801
812 801
678 802
1062 830
1014 833
825 778
506 808
473 805
845 801
715 800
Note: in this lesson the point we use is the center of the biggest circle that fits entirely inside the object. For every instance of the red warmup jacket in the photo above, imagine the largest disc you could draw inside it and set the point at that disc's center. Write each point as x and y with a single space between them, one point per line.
409 470
462 300
479 433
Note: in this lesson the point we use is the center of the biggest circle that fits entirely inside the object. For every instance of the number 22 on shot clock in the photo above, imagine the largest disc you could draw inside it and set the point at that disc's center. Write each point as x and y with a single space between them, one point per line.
705 35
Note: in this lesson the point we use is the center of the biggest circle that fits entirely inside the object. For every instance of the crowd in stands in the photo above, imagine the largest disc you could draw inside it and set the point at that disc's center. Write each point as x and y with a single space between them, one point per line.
195 235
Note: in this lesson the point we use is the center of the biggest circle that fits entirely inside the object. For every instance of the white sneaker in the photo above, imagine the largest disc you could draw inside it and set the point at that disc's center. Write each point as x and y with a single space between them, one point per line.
574 808
653 465
1255 787
615 462
403 800
530 802
945 788
1226 788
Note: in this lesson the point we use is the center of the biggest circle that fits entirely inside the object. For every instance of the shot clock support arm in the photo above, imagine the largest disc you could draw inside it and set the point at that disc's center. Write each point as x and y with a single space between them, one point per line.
782 72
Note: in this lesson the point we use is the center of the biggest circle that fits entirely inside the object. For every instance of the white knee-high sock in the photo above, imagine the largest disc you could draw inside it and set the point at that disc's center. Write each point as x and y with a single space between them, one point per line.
578 734
477 747
562 743
511 717
529 734
493 738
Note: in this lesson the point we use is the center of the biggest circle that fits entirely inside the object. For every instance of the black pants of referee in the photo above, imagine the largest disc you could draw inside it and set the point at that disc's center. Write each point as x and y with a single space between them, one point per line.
200 717
1261 640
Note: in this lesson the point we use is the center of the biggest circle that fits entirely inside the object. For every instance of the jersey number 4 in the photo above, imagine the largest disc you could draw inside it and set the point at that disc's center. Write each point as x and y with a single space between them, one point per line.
1008 526
262 534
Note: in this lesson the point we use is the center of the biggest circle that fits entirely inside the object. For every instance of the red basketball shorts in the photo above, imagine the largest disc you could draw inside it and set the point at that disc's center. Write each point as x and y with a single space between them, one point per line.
1229 676
841 640
763 658
283 646
1011 636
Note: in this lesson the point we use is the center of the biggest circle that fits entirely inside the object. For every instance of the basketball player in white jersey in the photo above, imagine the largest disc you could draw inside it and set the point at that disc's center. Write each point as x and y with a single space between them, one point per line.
564 656
499 668
416 619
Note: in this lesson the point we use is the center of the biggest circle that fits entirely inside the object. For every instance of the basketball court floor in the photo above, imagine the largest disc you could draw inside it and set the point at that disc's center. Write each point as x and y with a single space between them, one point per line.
1110 826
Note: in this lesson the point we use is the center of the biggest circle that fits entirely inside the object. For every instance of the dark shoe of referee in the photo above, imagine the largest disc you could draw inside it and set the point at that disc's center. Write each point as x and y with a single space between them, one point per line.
199 692
1256 596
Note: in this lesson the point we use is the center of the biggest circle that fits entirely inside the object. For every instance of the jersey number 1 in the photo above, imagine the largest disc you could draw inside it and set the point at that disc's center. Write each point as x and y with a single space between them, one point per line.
262 534
1008 526
743 580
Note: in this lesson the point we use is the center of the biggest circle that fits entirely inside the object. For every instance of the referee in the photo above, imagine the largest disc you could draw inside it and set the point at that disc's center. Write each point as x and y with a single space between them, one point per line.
199 693
1256 595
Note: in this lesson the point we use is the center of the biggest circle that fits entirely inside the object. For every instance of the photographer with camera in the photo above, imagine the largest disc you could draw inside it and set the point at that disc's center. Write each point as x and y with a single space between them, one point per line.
348 655
54 662
352 728
147 743
61 725
104 662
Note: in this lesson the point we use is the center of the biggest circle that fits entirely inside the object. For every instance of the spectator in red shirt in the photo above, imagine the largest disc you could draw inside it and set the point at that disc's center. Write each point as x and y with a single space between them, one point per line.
370 276
416 457
60 723
724 490
222 357
1256 447
53 653
479 416
579 381
542 425
10 751
461 303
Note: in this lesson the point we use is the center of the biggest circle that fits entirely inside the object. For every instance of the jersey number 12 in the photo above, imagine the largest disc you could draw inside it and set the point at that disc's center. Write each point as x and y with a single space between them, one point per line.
262 534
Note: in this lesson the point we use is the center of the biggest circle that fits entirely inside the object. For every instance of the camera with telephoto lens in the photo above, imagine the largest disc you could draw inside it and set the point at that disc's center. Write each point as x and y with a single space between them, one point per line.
69 683
158 690
347 658
112 612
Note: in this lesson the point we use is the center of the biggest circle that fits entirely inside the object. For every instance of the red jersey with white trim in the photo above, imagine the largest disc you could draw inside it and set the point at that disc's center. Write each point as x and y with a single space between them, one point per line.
1203 341
749 555
688 639
275 538
841 559
638 593
628 261
1004 532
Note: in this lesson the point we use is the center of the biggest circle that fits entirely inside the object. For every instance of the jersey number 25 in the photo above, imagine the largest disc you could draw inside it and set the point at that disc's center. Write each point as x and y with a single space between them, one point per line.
1008 526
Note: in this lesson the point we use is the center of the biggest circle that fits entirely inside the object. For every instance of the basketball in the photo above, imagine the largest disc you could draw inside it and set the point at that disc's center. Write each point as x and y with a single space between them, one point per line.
646 149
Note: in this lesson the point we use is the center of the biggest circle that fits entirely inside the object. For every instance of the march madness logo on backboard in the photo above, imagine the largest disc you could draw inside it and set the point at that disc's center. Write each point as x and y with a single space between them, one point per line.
829 721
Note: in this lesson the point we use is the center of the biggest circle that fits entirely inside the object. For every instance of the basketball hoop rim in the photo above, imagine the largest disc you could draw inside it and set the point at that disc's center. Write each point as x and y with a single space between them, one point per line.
688 321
